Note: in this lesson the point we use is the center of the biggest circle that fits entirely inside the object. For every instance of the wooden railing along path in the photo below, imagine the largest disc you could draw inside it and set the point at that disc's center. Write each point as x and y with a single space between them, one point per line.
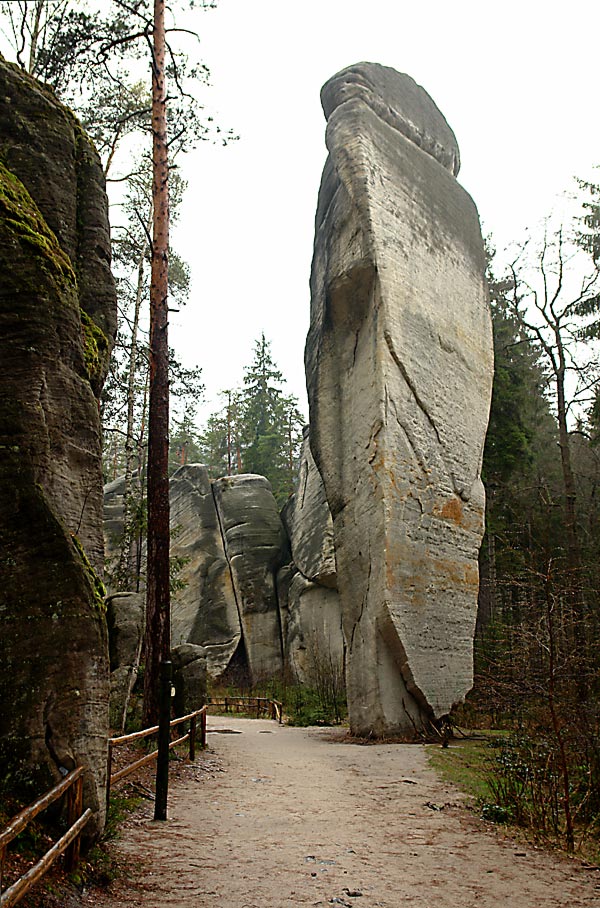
265 706
190 736
72 785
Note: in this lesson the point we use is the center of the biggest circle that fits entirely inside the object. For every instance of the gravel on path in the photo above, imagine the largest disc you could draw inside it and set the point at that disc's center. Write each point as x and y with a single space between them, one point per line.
280 817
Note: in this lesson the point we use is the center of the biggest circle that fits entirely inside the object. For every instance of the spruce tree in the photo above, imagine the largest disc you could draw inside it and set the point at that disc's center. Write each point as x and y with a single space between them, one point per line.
260 428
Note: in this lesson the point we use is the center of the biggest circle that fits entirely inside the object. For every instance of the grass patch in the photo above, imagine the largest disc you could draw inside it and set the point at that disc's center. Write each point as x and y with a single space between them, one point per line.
474 765
466 763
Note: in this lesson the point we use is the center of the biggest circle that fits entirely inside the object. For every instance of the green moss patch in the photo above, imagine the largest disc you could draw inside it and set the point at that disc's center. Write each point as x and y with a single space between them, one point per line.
22 218
96 348
96 584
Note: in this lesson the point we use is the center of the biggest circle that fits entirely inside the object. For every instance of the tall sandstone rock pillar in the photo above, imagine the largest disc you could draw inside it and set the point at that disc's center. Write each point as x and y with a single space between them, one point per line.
399 373
57 323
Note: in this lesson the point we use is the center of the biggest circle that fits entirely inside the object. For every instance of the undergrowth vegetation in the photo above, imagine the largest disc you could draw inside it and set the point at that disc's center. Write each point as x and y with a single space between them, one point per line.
323 703
532 775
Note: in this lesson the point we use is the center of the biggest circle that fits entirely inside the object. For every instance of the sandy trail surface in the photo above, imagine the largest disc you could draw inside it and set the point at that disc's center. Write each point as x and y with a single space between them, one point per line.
274 817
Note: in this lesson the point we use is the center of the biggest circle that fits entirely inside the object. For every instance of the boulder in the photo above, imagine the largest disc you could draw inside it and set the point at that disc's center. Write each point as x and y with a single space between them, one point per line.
399 373
189 677
255 545
308 522
204 610
57 322
125 621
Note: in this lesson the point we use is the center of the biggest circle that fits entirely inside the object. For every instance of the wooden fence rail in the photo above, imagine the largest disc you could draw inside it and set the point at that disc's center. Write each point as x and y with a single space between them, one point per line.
72 785
112 778
261 705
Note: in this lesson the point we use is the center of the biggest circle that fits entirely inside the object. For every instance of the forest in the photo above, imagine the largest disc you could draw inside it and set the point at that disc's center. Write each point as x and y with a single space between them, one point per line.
537 648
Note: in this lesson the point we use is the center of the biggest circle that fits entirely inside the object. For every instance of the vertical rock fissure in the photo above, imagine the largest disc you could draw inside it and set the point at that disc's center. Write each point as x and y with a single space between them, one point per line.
227 558
279 618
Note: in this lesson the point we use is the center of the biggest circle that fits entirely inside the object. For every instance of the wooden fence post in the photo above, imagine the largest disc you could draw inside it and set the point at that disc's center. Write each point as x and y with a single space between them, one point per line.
108 774
193 739
203 730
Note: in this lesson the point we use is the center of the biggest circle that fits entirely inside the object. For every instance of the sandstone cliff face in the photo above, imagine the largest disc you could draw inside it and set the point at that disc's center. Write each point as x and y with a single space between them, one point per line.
205 610
314 634
255 544
57 320
125 621
311 610
308 522
399 372
228 541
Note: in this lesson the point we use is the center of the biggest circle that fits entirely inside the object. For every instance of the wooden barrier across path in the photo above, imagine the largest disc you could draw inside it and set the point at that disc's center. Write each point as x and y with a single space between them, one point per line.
69 844
112 778
262 706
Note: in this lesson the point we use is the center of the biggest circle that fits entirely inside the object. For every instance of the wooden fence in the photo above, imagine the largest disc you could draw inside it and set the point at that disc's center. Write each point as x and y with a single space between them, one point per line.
192 718
72 785
260 705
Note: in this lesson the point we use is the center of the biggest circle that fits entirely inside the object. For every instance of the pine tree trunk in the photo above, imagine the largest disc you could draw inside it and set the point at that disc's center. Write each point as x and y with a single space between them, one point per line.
229 434
157 638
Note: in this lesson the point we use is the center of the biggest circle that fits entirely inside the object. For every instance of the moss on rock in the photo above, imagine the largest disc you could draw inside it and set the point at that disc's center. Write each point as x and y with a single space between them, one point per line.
22 218
57 319
98 588
96 349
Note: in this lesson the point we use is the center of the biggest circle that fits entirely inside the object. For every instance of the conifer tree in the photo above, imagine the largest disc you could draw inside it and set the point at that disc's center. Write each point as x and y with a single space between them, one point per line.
260 428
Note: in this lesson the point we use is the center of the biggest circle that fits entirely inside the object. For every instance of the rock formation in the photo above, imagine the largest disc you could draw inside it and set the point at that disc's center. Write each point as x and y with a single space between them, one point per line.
307 519
240 601
227 543
125 622
312 619
255 541
399 372
57 321
114 495
204 610
314 635
189 677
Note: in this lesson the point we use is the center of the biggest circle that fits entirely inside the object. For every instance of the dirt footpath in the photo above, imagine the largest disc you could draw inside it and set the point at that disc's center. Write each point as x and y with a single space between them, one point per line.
279 817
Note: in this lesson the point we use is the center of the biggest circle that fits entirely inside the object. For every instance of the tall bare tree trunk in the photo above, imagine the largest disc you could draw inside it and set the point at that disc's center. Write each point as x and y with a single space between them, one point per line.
142 460
127 559
158 630
35 35
229 433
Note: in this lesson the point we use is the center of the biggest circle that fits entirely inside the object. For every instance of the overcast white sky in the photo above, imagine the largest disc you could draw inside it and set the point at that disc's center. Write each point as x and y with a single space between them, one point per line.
517 81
